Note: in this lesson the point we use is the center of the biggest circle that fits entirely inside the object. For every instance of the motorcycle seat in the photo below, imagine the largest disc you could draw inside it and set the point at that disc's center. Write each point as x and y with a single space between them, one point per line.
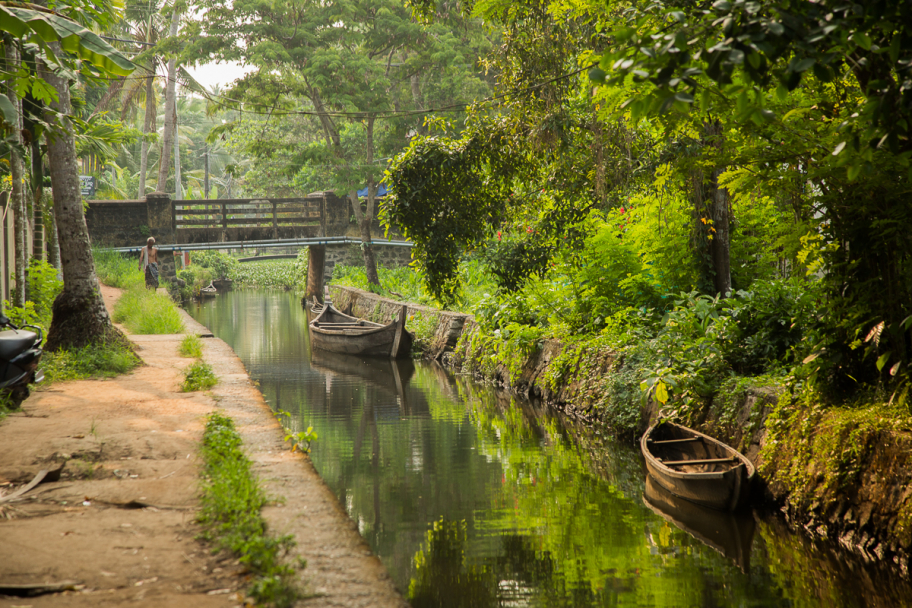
13 343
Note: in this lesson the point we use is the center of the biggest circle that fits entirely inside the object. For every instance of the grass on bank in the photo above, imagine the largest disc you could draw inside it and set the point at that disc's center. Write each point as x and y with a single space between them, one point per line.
143 311
231 502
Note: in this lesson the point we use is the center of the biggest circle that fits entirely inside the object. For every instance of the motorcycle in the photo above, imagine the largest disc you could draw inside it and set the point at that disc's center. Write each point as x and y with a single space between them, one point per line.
20 353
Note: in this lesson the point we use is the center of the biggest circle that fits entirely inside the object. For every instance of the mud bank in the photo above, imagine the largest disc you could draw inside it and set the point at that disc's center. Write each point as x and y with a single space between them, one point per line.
841 475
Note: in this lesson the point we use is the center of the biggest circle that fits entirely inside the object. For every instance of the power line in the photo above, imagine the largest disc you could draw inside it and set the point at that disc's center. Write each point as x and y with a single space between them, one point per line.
460 106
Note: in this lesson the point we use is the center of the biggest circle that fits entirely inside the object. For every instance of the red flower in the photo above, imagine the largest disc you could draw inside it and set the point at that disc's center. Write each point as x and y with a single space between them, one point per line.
498 235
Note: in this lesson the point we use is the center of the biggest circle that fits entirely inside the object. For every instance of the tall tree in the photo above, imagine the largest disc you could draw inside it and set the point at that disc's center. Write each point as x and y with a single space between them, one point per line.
350 75
170 110
79 313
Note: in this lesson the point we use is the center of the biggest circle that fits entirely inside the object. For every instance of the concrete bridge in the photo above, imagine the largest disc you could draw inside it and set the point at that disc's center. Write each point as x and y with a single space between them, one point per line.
321 221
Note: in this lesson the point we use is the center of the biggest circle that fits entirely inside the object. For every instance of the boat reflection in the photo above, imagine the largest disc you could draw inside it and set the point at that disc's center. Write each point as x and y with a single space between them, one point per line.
388 375
731 534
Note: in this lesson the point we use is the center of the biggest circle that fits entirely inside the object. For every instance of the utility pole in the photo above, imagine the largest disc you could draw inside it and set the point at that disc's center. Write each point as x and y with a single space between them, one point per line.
206 172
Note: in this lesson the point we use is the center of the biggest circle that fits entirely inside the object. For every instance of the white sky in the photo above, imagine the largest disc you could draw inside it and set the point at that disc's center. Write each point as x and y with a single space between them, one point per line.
221 74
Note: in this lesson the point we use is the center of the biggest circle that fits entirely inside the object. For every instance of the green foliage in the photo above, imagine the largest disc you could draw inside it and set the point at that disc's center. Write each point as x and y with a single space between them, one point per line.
468 195
231 503
222 265
198 377
144 311
44 286
280 274
196 277
746 48
92 361
191 346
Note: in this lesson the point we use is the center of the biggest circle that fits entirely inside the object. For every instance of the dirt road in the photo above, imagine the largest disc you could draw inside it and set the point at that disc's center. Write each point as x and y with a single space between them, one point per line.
119 526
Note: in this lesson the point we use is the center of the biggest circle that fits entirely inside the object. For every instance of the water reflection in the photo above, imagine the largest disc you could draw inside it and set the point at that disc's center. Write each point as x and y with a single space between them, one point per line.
731 534
471 498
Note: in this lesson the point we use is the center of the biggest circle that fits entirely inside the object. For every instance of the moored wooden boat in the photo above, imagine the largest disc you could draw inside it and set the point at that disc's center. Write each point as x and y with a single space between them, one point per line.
338 332
209 291
697 467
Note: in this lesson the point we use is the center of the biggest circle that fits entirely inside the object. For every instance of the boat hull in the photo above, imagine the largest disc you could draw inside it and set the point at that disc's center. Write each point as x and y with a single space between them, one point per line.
337 332
723 487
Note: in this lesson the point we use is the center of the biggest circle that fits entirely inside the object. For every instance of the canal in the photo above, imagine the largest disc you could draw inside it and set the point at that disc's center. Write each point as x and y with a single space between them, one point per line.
472 498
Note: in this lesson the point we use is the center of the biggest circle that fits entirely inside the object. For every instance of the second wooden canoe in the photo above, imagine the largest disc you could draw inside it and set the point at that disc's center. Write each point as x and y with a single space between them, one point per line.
697 467
337 332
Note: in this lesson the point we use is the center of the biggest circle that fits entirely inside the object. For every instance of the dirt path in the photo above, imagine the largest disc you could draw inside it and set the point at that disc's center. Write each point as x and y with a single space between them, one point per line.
120 522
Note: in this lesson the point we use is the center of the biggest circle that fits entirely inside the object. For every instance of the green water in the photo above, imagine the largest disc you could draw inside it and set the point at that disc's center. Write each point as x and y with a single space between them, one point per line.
472 498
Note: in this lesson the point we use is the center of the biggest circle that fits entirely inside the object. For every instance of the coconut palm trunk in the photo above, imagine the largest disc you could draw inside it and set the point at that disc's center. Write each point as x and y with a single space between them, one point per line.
17 195
79 314
147 128
170 112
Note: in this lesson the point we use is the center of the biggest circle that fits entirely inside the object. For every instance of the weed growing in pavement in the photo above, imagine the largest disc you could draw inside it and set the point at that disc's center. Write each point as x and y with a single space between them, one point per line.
191 346
198 377
231 502
92 361
148 312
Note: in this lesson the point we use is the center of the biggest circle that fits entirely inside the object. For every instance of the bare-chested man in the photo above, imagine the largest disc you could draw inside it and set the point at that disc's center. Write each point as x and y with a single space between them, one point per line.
148 261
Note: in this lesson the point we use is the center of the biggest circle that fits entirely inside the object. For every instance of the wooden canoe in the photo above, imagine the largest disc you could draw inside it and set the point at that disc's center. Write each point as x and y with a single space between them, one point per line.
338 332
697 467
731 534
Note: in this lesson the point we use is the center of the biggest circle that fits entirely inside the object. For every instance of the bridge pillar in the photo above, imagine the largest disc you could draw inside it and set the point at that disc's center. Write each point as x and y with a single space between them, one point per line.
316 260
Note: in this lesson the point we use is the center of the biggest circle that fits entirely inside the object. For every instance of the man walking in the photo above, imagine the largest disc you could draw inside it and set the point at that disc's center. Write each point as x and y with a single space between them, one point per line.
148 261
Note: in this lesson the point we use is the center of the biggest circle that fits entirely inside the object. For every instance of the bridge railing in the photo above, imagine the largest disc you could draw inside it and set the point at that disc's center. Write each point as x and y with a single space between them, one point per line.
247 213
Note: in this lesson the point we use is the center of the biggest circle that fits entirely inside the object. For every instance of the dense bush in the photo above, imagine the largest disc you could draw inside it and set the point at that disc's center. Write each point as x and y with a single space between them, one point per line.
220 264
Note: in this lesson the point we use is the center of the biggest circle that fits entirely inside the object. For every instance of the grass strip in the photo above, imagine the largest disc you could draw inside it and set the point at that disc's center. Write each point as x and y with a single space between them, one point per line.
92 361
232 499
147 312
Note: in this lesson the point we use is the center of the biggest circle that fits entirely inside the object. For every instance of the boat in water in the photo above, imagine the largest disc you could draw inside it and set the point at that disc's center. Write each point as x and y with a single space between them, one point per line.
697 467
337 332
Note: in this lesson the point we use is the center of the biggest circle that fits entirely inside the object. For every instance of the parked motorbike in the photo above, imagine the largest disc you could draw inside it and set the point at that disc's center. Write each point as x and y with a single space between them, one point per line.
20 353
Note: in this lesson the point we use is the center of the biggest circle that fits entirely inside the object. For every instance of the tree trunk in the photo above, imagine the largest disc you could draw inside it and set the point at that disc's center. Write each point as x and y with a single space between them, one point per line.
365 217
17 195
316 261
720 245
170 102
54 244
37 200
79 314
147 128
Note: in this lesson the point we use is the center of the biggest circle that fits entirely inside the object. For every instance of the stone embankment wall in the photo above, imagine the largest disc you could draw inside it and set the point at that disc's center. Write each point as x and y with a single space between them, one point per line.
843 477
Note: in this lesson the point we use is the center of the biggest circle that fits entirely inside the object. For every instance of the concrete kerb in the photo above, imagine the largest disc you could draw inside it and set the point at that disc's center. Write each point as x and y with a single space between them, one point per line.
341 568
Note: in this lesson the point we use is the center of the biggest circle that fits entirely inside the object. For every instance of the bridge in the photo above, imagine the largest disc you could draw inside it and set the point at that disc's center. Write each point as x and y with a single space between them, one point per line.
320 221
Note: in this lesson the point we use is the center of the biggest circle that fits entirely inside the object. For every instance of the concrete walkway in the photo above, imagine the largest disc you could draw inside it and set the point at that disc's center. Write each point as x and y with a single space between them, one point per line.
119 528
